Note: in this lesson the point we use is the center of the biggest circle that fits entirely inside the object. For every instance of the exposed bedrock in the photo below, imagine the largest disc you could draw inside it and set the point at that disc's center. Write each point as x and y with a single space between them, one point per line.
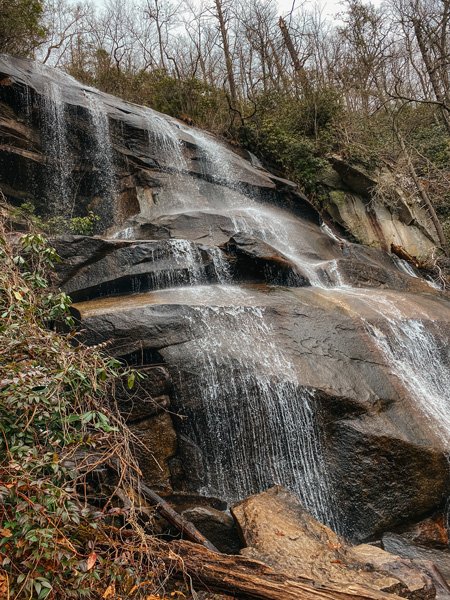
278 531
385 463
351 203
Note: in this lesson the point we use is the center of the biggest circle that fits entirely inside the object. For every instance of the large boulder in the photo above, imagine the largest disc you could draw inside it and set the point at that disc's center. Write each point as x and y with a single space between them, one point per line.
277 530
385 463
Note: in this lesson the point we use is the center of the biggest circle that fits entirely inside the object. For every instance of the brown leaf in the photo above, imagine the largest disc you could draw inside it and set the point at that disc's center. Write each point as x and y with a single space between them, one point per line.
6 533
110 590
91 561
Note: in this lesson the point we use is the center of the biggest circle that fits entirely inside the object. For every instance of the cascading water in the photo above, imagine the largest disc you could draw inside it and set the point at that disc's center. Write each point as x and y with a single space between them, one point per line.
162 137
102 152
254 423
56 144
415 357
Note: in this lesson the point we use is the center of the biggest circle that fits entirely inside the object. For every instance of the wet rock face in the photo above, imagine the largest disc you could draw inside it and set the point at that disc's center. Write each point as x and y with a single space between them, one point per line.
384 468
61 141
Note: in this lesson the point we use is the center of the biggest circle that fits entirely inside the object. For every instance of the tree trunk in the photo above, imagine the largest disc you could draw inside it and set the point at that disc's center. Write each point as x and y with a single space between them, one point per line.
186 527
252 580
299 69
432 73
226 51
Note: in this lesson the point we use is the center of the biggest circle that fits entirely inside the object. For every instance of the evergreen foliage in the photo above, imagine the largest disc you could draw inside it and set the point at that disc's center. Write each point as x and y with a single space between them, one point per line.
57 429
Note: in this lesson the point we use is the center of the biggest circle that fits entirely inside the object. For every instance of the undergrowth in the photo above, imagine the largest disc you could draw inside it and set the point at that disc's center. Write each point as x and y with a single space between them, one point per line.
58 538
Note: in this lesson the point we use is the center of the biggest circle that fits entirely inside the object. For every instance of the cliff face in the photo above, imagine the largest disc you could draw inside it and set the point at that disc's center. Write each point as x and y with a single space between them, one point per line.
352 202
277 352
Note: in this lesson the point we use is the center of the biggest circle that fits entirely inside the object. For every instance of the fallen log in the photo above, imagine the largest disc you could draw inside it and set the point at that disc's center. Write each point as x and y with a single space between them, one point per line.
404 255
185 527
248 579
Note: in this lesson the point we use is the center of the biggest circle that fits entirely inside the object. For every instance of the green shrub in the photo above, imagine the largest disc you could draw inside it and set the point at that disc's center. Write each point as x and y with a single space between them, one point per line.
54 409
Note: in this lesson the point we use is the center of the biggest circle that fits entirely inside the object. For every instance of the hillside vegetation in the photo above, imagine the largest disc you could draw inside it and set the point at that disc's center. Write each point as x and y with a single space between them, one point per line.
373 86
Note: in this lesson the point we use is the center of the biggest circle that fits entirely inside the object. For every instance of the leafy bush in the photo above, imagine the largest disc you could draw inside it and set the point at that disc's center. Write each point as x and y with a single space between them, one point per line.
54 225
294 134
57 427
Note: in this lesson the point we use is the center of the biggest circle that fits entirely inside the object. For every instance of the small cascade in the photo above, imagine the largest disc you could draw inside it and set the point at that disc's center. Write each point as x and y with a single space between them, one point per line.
103 152
249 215
420 362
163 141
56 143
329 232
414 349
254 423
222 267
216 159
187 255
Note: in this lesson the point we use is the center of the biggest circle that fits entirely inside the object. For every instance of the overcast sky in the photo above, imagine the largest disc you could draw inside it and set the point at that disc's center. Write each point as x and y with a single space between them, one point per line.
330 8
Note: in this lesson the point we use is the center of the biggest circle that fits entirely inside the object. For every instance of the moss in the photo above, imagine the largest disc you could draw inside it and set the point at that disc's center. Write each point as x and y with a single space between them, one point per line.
338 197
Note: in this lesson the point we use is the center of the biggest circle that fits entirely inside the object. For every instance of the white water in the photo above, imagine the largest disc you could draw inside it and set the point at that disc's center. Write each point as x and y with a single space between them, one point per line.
163 140
417 355
103 152
258 426
56 144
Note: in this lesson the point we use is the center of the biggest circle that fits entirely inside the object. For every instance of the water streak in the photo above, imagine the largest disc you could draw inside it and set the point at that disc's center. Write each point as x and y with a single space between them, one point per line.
420 360
103 151
56 146
163 141
258 426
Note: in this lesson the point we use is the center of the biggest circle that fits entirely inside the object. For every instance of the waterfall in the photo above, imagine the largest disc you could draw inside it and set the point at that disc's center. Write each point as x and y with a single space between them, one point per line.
241 386
416 359
420 362
103 152
163 140
56 143
254 423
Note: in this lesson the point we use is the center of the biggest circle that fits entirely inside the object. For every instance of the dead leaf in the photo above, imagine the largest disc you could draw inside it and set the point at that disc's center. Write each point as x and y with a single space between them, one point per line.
6 533
91 561
110 590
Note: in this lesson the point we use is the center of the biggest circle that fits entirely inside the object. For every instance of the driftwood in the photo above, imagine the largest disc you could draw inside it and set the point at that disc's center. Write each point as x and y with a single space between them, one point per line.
252 580
404 255
186 527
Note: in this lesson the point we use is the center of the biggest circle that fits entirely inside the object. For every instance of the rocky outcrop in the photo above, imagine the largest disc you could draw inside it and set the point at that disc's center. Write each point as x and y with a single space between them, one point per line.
351 204
278 531
60 138
276 351
385 462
